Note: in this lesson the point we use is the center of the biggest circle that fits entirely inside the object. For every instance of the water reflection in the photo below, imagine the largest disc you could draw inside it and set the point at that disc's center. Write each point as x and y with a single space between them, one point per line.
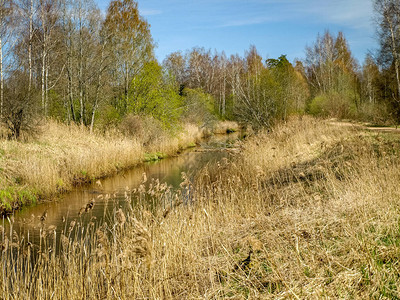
109 193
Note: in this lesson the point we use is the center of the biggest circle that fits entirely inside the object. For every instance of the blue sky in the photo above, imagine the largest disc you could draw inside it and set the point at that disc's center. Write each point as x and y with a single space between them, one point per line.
275 27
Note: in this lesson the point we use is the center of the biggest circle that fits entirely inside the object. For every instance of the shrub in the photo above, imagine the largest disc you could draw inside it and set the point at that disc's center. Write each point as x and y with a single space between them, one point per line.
109 118
145 128
198 108
150 95
20 110
317 106
333 104
376 113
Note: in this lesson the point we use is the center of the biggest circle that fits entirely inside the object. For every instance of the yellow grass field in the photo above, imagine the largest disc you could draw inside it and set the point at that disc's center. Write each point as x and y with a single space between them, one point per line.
309 211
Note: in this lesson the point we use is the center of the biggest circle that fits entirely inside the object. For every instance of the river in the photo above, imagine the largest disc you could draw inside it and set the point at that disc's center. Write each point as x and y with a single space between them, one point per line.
108 193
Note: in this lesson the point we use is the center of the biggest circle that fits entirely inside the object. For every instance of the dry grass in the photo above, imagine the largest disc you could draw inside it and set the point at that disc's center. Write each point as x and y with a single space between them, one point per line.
226 127
170 145
66 155
318 205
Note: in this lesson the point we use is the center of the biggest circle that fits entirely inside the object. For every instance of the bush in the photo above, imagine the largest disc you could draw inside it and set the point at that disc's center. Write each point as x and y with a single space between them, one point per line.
145 128
150 95
338 105
21 110
317 106
109 118
198 108
376 113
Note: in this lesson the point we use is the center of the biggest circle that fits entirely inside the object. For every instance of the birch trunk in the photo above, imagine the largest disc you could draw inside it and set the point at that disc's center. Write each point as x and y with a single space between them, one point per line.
44 56
80 75
1 79
1 62
30 44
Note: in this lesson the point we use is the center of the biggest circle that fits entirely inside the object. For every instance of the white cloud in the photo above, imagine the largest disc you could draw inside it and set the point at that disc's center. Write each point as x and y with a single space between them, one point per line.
245 22
355 14
352 13
150 12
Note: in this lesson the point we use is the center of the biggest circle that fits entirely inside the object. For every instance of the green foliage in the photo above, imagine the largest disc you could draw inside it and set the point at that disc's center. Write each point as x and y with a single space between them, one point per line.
270 92
198 107
56 108
375 113
338 105
129 41
12 198
332 74
317 106
148 157
282 73
27 197
281 62
229 108
6 197
150 95
61 185
109 117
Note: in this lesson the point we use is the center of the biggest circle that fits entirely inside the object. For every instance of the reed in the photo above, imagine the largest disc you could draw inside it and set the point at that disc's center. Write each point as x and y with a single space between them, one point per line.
316 206
67 155
226 127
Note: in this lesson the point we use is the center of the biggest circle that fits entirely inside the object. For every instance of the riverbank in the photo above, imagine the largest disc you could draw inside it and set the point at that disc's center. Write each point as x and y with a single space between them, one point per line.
308 211
63 156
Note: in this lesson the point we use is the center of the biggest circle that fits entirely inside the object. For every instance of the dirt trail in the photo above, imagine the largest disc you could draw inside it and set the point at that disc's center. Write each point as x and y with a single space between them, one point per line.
364 126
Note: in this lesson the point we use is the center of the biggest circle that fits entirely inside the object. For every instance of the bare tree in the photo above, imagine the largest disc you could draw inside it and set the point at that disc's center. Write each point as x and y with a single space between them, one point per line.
370 77
388 19
176 66
20 111
5 22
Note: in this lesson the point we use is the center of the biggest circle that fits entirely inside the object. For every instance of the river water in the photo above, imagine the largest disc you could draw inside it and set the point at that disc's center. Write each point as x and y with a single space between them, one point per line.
108 193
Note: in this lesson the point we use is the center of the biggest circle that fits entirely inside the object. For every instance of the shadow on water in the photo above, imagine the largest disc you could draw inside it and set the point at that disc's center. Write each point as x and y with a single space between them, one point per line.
109 194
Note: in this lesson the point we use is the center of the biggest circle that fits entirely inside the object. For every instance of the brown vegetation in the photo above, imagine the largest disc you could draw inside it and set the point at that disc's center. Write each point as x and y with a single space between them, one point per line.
67 155
308 211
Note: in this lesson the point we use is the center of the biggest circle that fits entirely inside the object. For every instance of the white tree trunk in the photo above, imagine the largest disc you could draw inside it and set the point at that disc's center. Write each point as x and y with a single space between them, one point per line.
44 56
1 62
1 79
80 75
30 44
395 57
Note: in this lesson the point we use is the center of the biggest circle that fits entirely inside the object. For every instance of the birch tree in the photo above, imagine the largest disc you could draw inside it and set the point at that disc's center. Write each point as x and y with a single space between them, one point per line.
387 13
129 42
5 22
388 19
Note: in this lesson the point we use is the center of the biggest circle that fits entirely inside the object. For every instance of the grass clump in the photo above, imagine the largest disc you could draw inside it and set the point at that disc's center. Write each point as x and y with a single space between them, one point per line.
12 198
154 156
308 211
226 127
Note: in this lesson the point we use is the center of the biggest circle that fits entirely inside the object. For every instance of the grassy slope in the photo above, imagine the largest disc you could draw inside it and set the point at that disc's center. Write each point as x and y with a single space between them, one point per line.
317 204
66 155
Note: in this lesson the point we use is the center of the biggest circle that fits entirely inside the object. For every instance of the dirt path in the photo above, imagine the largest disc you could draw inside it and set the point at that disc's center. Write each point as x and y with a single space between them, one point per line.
366 127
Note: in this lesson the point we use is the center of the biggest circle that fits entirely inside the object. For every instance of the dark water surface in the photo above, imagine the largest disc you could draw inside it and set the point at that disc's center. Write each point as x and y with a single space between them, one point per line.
109 193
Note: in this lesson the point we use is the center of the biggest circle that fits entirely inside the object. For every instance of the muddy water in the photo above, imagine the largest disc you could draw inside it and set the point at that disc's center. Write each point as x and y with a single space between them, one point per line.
109 192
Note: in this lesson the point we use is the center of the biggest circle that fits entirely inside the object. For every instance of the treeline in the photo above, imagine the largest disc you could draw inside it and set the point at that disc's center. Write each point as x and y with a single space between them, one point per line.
63 59
247 89
341 88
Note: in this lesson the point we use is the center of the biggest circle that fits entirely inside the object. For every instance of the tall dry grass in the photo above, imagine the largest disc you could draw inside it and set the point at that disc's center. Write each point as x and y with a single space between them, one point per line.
66 155
316 206
226 127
